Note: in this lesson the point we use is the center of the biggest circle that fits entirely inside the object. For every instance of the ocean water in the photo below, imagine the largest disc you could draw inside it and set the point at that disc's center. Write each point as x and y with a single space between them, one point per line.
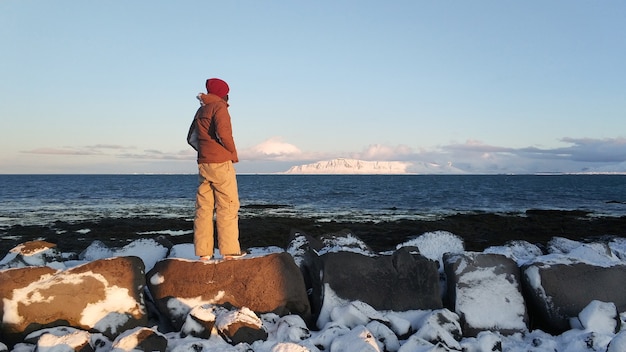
43 199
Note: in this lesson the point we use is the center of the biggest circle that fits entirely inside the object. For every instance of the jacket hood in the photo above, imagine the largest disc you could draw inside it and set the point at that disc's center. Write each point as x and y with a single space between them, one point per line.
209 98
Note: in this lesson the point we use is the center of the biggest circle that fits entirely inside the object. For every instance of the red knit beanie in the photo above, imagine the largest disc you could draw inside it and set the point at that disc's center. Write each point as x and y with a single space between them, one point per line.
217 86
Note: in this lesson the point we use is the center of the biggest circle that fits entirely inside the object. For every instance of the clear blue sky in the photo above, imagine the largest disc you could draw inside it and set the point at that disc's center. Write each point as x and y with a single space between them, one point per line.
491 86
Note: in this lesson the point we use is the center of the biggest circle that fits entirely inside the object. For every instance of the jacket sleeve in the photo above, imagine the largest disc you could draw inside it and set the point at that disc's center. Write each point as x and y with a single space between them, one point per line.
224 130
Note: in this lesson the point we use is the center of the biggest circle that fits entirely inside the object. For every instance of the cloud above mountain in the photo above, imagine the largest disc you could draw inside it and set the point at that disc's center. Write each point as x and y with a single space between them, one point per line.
273 148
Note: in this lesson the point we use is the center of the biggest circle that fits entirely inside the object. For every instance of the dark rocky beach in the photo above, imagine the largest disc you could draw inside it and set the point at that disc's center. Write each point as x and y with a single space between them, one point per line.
479 231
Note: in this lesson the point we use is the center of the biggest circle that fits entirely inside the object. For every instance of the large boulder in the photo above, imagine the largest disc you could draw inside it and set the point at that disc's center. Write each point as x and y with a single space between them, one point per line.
104 295
485 291
271 283
399 282
440 330
558 292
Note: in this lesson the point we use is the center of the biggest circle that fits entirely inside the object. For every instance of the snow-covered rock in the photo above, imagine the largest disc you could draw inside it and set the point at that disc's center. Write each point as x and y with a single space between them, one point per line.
33 253
600 317
240 325
433 245
618 343
140 339
485 290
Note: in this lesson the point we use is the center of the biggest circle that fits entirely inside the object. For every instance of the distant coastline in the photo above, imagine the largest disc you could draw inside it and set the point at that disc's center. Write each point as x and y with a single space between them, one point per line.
347 166
329 171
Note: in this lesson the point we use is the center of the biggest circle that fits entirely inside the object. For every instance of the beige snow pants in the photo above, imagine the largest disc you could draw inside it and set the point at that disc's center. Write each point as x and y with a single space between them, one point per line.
217 194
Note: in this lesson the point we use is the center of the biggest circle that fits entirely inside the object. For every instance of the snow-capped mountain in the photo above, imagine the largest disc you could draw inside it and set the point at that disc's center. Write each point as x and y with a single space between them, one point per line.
354 166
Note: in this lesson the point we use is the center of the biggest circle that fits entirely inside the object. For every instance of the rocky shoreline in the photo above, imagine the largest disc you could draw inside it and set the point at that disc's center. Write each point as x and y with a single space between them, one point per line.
569 295
478 231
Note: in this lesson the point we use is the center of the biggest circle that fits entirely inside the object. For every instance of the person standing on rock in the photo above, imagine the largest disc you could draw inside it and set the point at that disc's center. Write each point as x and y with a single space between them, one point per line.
211 136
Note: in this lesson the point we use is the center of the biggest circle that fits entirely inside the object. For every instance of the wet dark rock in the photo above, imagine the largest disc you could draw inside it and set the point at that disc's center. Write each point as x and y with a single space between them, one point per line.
558 292
478 230
399 282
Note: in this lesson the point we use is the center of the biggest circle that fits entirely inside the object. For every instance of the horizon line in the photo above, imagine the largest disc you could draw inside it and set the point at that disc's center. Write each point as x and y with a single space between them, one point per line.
282 173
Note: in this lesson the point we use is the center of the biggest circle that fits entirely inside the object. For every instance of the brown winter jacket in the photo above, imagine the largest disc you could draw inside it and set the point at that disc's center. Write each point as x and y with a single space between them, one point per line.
215 133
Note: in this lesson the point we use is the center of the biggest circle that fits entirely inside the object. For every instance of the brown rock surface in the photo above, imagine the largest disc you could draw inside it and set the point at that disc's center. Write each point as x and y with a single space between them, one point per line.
271 283
37 297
